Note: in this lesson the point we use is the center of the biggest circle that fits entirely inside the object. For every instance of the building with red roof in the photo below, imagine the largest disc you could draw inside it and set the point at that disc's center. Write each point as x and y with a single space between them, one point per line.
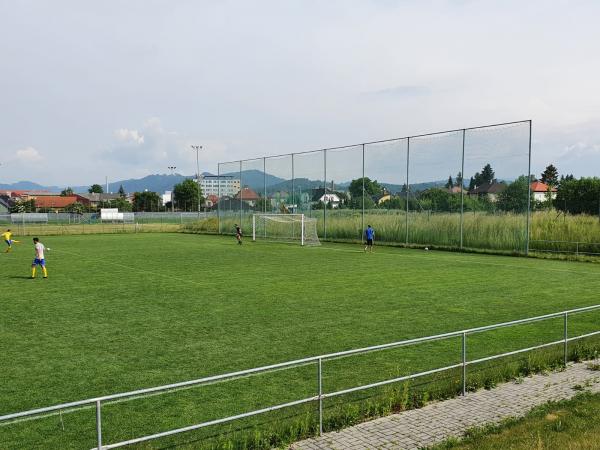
247 195
55 202
541 190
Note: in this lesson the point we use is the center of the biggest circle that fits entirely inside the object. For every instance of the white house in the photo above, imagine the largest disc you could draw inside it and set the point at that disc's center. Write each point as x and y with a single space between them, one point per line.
541 190
327 196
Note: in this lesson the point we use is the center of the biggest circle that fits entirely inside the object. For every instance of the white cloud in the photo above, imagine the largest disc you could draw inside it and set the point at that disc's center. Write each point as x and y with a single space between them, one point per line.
152 147
28 155
127 136
580 150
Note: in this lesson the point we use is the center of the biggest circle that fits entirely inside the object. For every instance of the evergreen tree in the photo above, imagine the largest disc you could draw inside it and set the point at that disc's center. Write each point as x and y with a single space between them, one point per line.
121 191
449 183
487 174
550 176
459 180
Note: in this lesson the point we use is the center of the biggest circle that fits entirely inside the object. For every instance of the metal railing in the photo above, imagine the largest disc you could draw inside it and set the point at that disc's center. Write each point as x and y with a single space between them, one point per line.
574 247
319 394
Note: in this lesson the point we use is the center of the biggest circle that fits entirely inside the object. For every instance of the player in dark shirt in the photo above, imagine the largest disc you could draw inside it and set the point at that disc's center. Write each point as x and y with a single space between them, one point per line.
238 234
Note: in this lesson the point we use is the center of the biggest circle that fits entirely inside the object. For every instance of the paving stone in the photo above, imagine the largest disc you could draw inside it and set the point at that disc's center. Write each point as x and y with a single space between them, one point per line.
438 421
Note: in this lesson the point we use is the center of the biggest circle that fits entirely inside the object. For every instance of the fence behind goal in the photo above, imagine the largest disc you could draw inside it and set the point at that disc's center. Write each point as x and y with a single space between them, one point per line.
431 188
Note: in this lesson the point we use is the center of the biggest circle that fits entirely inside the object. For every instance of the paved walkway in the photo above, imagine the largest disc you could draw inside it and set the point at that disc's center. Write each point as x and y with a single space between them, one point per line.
439 421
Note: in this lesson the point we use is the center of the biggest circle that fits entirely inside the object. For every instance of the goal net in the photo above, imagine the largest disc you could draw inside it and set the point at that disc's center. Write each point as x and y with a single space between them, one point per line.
285 228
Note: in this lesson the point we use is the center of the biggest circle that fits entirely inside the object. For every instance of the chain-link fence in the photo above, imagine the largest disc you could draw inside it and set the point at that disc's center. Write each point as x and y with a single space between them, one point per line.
29 224
466 188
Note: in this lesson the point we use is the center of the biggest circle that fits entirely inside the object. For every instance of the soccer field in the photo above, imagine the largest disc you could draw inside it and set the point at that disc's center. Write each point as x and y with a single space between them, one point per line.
124 312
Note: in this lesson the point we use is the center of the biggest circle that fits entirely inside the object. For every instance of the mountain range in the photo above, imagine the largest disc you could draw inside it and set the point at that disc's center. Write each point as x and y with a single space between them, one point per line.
254 179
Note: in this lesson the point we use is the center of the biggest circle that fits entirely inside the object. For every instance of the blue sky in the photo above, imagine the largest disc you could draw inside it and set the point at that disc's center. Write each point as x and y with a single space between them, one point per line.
123 88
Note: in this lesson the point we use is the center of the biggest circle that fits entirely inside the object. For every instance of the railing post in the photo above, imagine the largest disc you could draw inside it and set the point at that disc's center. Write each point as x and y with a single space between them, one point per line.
566 335
99 424
464 364
320 381
576 248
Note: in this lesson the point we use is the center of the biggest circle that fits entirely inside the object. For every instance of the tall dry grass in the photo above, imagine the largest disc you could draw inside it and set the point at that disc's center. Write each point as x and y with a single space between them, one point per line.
481 230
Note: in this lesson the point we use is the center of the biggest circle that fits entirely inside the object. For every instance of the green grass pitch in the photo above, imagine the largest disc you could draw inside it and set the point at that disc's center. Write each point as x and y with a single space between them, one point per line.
123 312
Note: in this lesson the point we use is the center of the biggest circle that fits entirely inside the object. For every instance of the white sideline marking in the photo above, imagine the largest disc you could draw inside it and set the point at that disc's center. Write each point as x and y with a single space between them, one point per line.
430 256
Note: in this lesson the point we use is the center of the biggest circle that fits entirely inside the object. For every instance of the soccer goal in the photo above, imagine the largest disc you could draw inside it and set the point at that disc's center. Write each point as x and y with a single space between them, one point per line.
285 228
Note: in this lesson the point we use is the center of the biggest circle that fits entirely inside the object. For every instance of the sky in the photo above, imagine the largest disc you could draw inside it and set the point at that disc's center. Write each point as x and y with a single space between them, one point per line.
122 89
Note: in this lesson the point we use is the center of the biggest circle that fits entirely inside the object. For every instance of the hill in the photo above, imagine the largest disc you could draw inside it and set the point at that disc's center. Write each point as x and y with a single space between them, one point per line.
252 178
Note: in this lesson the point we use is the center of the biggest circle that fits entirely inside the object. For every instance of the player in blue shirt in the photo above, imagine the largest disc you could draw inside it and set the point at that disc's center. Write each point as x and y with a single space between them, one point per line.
369 236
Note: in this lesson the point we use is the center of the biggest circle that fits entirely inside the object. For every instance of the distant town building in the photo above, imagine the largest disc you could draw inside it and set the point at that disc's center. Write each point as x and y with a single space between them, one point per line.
4 204
540 191
166 197
488 190
326 196
219 185
248 196
55 202
94 199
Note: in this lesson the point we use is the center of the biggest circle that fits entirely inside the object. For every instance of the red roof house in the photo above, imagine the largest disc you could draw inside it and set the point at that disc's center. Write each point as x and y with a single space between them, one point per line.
55 201
540 191
248 195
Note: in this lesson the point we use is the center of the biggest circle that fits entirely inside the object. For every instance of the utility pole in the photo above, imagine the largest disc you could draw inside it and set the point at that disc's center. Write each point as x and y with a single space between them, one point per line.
197 148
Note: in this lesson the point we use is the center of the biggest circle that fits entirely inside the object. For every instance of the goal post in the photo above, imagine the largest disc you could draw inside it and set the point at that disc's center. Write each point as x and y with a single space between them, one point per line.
294 228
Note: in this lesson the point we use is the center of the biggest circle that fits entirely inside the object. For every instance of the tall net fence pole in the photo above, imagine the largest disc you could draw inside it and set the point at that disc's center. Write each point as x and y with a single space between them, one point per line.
241 196
219 198
324 194
528 194
407 184
462 189
293 186
363 193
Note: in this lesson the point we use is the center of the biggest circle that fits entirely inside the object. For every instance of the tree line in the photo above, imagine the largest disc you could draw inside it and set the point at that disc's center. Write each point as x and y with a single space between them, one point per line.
185 195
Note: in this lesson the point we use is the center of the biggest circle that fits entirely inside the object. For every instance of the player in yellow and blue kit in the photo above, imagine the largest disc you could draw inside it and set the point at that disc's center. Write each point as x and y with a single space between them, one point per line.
39 258
7 236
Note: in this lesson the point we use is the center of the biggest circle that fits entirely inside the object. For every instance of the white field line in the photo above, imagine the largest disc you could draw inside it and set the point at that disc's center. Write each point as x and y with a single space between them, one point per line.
463 261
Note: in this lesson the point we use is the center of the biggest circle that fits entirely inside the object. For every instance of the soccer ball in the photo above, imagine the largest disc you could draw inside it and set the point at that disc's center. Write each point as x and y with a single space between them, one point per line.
426 248
48 248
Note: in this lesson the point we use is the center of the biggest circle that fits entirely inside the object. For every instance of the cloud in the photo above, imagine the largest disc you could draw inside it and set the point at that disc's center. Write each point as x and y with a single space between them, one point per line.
149 145
401 91
126 136
28 155
152 147
580 150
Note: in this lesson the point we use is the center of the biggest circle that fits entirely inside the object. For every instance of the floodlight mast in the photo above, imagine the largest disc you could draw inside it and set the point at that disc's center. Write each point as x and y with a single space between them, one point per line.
197 148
